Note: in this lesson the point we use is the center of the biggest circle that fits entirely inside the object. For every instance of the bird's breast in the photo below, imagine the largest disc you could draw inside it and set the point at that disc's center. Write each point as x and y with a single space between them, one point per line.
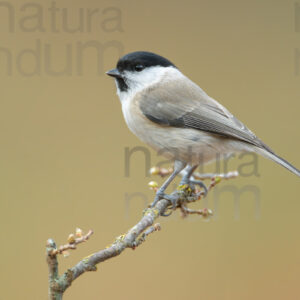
135 119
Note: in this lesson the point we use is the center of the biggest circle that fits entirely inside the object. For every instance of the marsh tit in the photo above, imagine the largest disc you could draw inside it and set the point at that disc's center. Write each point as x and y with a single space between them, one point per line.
172 114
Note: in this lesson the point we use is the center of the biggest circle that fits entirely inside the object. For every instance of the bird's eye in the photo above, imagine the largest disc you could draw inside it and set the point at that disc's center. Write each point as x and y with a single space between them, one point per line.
139 68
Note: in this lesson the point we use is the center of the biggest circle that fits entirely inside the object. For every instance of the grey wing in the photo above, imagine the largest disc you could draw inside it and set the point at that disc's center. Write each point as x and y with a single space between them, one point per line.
172 107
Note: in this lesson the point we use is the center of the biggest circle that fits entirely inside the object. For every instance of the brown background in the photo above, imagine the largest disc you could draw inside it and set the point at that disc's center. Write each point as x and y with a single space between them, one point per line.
62 155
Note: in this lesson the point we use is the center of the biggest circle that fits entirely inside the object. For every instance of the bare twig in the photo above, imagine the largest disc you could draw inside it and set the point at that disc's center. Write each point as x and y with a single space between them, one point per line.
228 175
72 243
161 171
142 238
185 211
131 239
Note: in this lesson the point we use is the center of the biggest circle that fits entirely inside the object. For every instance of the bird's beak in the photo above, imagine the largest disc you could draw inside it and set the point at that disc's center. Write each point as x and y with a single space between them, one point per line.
114 73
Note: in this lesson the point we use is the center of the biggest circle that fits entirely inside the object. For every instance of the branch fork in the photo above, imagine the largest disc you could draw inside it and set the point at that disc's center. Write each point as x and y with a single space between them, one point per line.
135 236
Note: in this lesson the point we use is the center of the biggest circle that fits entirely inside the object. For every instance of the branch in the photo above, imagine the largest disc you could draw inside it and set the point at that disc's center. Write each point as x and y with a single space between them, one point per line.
131 239
72 243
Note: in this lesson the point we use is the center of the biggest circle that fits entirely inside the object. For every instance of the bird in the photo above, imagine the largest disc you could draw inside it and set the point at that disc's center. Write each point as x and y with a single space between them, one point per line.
173 115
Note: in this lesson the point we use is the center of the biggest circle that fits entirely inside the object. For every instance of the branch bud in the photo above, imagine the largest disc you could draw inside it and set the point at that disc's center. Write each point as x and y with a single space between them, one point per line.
154 171
78 232
71 238
153 185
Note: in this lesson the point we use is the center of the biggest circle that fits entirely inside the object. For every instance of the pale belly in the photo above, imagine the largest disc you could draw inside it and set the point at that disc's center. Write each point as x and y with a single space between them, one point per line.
189 145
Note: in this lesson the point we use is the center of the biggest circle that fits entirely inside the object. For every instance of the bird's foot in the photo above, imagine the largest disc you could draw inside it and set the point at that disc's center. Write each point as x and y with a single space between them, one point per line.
192 182
161 195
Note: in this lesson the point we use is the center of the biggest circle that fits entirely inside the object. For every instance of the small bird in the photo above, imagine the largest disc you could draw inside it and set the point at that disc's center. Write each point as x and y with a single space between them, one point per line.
172 114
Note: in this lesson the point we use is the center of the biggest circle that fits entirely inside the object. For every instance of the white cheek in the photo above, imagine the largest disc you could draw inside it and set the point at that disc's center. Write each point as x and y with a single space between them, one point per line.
139 80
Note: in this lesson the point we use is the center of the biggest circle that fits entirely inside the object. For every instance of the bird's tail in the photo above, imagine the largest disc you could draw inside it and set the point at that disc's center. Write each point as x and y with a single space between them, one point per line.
272 156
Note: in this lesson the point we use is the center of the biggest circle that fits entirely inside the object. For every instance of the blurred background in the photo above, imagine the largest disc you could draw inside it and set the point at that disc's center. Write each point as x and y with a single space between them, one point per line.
63 140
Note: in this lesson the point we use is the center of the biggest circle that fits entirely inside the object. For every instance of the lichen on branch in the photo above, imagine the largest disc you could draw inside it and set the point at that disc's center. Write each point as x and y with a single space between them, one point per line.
133 238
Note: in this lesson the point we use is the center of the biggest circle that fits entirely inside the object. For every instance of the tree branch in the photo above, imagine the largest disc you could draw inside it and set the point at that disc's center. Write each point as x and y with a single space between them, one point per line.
132 239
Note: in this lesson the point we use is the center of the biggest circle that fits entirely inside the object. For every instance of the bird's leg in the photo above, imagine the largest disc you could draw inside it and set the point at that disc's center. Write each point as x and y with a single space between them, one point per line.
160 194
188 179
189 172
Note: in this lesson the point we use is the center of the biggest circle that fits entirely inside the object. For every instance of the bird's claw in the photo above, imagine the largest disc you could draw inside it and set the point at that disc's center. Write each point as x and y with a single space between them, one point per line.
173 198
191 182
201 184
161 195
174 201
